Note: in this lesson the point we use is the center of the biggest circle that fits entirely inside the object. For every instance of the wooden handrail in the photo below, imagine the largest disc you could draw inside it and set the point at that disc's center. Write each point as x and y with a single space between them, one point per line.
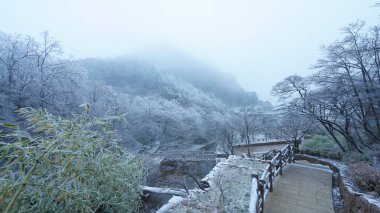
269 155
264 184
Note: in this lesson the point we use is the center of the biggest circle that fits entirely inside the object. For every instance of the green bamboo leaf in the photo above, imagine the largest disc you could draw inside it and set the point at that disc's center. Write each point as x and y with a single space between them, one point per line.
12 126
5 188
74 166
24 142
23 168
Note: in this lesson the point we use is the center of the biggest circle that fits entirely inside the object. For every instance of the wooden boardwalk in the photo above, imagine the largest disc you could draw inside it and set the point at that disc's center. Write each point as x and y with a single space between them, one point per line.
303 188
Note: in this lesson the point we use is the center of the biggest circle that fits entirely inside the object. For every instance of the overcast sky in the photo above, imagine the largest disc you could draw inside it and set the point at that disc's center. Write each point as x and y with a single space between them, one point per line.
259 42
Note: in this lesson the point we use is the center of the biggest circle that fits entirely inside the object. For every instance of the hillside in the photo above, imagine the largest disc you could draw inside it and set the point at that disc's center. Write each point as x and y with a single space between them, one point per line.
148 66
170 97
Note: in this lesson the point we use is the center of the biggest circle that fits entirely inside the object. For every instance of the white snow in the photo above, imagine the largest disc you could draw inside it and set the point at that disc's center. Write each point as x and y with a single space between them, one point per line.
233 177
253 197
171 203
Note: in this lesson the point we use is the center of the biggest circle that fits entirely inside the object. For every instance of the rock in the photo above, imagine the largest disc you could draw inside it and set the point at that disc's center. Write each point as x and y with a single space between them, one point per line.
204 184
186 202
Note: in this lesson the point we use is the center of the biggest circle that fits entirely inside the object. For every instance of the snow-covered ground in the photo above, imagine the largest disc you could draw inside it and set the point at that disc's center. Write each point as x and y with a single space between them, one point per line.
230 186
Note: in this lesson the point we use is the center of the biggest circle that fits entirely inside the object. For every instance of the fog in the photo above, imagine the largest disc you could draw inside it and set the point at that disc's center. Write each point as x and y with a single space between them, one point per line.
258 42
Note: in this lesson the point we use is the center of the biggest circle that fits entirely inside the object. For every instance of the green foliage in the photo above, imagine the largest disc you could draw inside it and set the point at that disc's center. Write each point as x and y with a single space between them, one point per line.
320 142
67 165
325 154
323 146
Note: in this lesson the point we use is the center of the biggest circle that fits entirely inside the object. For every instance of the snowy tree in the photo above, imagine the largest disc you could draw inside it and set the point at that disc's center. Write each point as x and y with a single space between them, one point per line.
248 123
343 95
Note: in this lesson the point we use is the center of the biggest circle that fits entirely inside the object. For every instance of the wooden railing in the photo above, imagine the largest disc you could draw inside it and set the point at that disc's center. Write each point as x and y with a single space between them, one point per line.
264 184
269 155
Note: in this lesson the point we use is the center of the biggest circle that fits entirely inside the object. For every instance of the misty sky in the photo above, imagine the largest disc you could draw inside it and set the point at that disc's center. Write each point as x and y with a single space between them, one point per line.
259 42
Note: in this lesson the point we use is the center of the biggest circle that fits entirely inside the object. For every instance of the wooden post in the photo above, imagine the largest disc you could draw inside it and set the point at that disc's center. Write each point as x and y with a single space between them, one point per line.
280 162
261 184
290 153
271 175
293 157
254 202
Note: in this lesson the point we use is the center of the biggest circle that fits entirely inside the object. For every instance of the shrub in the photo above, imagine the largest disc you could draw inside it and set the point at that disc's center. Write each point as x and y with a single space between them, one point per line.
366 176
356 157
325 154
321 146
67 165
319 142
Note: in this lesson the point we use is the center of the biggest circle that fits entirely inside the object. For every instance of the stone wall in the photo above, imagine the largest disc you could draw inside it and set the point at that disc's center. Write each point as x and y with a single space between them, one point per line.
258 148
354 201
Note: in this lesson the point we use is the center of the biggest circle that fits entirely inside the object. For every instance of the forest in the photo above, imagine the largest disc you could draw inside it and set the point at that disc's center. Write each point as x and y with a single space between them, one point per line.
160 101
78 116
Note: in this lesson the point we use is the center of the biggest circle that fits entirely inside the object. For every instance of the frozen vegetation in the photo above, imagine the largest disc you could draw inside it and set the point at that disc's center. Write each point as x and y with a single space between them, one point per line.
85 134
58 153
230 188
161 102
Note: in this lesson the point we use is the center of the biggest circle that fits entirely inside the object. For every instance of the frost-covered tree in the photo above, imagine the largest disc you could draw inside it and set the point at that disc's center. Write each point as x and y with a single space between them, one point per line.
154 118
248 124
161 105
228 133
343 95
35 73
293 125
